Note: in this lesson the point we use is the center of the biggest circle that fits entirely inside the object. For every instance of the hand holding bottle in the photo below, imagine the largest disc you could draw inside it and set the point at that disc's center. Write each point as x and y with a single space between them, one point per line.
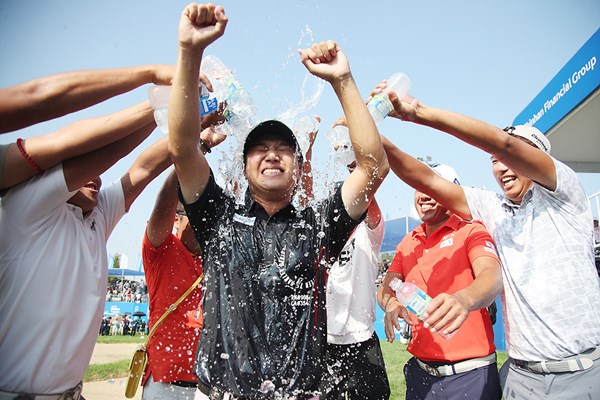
420 304
404 106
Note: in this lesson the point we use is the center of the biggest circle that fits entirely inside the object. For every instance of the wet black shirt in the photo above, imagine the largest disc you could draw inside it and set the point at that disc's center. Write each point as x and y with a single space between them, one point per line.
264 305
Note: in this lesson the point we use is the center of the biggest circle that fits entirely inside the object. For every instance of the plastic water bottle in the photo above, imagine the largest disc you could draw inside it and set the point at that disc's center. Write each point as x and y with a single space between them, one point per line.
414 299
380 106
302 127
340 139
159 100
240 111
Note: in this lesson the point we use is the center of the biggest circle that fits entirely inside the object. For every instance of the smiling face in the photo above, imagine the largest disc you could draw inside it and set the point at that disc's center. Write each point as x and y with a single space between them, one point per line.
432 213
86 198
272 168
512 184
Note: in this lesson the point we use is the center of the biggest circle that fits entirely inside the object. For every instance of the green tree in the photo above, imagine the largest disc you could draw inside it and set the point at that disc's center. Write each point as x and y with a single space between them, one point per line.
116 263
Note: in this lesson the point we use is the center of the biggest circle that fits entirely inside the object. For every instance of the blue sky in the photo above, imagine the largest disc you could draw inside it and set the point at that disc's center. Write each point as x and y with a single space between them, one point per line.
484 59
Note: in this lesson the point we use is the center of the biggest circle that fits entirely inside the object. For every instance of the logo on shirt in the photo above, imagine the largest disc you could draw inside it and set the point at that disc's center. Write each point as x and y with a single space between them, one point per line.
490 248
447 243
243 219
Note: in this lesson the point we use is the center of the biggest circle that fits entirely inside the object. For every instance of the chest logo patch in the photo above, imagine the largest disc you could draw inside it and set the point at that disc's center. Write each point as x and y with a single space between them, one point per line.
447 243
243 219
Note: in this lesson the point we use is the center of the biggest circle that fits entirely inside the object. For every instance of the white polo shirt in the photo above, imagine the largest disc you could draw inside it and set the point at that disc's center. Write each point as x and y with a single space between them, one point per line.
551 297
351 293
53 275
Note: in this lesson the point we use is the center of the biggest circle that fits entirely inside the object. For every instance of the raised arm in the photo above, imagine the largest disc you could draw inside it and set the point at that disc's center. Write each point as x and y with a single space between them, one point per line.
53 96
136 123
420 177
514 153
327 61
160 223
199 26
161 219
149 164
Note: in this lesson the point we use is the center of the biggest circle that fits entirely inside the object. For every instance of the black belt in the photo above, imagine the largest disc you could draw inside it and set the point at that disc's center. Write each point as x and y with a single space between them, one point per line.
186 384
217 394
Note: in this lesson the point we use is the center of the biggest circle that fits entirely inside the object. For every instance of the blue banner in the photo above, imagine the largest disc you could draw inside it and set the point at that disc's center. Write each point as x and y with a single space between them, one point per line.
574 83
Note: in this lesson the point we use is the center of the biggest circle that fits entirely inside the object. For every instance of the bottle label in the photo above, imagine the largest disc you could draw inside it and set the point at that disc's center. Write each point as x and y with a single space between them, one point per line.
418 304
381 104
208 105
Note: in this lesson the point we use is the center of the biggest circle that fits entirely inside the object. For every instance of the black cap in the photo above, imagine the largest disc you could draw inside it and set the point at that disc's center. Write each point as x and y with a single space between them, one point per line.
270 128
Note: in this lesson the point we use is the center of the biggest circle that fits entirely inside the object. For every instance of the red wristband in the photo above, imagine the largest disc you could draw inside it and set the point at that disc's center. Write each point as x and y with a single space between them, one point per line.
27 156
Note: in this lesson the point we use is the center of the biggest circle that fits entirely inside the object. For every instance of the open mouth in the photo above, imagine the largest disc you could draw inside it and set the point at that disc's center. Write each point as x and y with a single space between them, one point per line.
272 171
507 180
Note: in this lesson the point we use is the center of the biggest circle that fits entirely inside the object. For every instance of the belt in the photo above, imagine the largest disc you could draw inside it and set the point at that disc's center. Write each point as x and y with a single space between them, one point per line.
580 362
457 368
186 384
214 393
71 394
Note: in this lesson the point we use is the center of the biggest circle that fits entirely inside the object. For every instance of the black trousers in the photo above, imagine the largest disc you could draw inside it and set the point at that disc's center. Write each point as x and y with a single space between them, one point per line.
355 371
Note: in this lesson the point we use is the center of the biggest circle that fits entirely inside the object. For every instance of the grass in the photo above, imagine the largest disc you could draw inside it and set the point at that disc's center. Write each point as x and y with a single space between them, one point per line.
395 356
117 369
121 339
104 372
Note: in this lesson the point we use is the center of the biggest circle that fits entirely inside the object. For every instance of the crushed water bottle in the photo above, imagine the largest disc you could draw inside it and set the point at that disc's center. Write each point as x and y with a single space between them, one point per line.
414 299
159 100
239 111
340 140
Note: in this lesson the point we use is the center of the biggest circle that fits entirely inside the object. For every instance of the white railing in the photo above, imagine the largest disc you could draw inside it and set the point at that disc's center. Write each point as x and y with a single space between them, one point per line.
595 204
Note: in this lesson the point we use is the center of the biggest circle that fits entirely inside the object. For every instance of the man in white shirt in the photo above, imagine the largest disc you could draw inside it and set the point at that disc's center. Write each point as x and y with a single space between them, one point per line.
53 233
355 364
542 226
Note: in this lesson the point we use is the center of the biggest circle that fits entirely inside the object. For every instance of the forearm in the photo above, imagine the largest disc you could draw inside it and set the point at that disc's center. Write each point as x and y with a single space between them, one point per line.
482 291
363 132
87 135
410 170
57 95
478 133
149 164
160 223
184 128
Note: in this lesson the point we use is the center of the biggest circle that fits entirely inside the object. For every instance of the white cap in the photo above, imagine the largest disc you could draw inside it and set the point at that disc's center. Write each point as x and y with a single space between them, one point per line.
446 172
532 134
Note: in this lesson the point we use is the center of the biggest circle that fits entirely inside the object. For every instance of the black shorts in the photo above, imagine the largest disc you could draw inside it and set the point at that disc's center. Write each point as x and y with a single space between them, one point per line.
355 371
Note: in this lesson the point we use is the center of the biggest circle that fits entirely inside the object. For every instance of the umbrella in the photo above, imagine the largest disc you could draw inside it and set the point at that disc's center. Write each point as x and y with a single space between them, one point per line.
126 313
139 314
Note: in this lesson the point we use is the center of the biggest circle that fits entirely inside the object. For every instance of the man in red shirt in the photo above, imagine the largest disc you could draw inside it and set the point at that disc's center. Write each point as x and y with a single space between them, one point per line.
454 262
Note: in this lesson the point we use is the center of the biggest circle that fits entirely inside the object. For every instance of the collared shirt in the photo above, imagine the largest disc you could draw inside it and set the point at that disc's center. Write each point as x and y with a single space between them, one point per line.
551 297
264 304
351 294
53 275
442 263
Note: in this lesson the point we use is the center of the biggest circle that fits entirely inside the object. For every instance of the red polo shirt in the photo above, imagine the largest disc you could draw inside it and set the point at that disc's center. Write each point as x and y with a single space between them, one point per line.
170 270
442 264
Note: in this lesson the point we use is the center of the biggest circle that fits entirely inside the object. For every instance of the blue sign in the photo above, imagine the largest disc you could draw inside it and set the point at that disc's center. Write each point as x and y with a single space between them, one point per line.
579 78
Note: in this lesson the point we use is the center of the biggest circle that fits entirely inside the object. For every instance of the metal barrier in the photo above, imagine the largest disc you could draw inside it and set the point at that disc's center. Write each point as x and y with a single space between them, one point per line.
595 204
